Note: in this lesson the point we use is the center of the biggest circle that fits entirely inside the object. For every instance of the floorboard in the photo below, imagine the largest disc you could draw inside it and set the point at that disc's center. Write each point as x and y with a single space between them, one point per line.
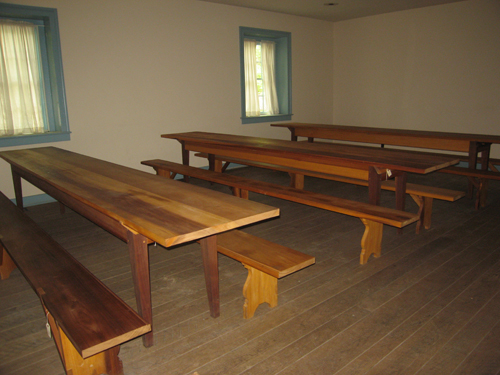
429 305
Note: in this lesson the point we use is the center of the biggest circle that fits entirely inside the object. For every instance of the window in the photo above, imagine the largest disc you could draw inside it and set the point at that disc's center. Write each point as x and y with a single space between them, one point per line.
32 95
265 68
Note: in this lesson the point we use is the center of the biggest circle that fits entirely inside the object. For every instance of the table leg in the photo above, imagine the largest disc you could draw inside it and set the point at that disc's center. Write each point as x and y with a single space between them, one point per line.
211 267
185 154
16 178
400 179
474 149
374 178
472 165
185 158
139 262
211 163
485 161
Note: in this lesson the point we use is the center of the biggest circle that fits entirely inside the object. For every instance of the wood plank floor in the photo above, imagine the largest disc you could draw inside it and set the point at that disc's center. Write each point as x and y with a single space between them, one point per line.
429 305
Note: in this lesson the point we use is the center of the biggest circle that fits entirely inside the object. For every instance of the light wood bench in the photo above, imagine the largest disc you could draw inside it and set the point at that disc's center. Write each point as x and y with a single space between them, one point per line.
422 195
265 261
87 320
372 216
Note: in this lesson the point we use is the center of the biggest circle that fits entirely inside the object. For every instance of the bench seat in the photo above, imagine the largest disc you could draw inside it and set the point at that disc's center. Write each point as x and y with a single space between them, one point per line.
265 261
422 195
372 216
87 320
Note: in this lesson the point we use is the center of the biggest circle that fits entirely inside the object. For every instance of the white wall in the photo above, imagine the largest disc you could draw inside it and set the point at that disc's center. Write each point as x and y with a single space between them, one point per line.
137 69
434 68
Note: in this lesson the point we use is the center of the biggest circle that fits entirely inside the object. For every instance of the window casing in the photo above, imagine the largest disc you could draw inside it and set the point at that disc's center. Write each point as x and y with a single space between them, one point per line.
55 109
283 73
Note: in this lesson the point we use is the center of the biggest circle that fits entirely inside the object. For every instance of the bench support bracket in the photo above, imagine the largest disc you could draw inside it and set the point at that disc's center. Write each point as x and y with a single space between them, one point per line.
259 288
424 211
7 265
371 243
106 362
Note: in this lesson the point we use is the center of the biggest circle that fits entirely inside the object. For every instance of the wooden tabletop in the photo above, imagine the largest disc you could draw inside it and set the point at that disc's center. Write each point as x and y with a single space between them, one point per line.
312 156
401 137
165 211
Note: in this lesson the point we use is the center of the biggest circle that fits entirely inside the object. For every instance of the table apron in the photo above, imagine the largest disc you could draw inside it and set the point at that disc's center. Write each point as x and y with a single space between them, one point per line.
352 172
459 145
105 222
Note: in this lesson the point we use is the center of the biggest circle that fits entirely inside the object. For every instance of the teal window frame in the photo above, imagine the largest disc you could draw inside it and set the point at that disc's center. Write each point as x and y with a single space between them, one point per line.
57 114
283 65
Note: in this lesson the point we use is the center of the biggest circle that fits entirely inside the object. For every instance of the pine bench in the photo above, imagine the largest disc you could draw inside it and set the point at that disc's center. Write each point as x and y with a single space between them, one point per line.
372 216
422 195
87 320
265 261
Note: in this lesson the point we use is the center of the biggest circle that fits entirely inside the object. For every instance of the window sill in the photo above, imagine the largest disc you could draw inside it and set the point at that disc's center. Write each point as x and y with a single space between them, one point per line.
271 118
19 140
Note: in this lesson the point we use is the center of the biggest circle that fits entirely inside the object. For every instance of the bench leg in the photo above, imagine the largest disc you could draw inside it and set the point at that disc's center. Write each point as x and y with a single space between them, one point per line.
297 181
240 193
165 173
371 243
7 265
424 212
481 185
106 362
259 288
482 193
217 166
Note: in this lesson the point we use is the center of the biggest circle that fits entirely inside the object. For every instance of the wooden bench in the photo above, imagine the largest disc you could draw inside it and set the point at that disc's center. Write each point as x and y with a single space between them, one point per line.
478 178
422 195
265 261
87 320
372 216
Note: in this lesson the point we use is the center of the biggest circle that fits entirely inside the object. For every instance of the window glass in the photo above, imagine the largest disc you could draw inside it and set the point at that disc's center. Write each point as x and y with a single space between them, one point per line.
32 102
265 68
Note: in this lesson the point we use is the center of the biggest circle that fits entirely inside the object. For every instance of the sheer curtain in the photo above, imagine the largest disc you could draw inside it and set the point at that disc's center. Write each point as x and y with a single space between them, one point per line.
268 78
251 91
20 79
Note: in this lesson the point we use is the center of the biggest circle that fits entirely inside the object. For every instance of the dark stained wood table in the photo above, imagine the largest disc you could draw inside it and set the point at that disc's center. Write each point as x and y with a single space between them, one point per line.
368 163
472 144
139 208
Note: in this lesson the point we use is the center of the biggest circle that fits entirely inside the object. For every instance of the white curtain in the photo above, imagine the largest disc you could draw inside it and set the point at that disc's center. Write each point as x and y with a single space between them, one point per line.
20 79
268 78
251 92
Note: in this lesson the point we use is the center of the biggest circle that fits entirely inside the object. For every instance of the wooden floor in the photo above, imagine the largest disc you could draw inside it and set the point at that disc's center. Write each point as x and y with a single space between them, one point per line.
429 305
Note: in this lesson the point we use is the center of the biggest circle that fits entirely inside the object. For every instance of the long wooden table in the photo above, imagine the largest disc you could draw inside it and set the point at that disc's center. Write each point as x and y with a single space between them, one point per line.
368 163
139 208
472 144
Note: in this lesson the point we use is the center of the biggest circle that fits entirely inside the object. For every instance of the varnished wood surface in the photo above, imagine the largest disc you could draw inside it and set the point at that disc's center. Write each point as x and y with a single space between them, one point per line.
165 212
316 157
398 137
428 305
383 215
92 316
274 259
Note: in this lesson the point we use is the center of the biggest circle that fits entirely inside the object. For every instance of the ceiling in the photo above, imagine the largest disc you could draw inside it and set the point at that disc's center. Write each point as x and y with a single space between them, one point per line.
342 10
